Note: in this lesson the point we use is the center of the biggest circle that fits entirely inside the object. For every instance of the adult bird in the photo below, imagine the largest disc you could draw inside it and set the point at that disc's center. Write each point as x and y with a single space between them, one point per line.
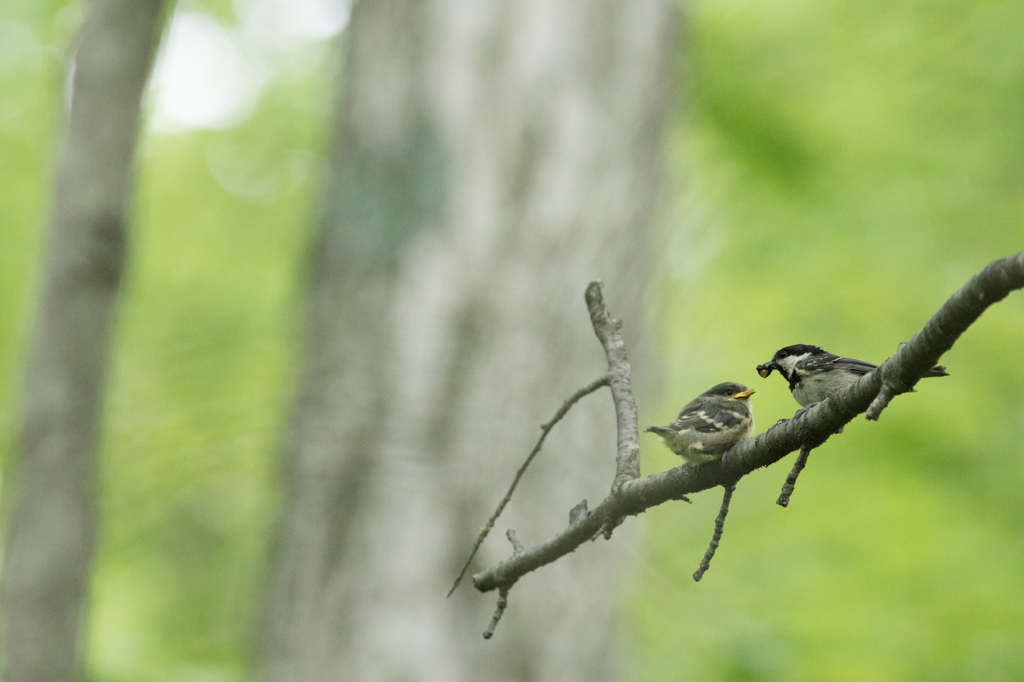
815 374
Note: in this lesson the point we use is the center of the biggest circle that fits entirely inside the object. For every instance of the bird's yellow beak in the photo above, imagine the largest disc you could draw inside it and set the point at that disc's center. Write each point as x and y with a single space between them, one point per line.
743 395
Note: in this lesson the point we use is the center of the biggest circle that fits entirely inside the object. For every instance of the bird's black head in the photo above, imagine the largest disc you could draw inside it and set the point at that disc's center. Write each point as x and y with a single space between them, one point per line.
798 349
729 389
789 351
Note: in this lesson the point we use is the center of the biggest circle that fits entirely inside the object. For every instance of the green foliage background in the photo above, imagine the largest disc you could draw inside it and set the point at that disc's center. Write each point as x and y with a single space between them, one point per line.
205 353
841 169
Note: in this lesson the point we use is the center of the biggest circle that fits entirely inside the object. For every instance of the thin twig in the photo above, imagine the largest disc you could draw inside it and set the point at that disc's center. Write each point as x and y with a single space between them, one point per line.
578 513
498 612
705 563
882 400
545 429
790 485
517 547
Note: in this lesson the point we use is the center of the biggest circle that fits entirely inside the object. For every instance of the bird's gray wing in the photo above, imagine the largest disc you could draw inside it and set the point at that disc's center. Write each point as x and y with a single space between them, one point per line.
702 421
856 366
852 365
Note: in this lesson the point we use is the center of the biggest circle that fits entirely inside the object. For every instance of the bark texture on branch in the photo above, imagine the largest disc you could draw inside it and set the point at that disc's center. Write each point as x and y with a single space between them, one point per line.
627 458
53 518
899 374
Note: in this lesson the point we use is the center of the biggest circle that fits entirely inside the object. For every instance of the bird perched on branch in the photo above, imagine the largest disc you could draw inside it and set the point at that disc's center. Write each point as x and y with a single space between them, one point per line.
815 374
710 424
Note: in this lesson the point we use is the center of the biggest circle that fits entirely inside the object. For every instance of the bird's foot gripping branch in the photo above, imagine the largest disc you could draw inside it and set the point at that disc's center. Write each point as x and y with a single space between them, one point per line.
631 495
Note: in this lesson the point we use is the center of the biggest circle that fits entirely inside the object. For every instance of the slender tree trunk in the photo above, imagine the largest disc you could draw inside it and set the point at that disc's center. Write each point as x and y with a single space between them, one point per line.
53 518
491 158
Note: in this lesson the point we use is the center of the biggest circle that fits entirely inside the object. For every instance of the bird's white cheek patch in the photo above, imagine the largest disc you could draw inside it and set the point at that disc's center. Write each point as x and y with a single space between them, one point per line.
792 361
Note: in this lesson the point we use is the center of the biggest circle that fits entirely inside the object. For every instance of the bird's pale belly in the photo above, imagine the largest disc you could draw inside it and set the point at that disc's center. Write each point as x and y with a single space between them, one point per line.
814 389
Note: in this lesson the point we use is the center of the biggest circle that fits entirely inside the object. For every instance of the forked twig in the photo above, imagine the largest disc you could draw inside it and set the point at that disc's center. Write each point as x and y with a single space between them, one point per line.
545 430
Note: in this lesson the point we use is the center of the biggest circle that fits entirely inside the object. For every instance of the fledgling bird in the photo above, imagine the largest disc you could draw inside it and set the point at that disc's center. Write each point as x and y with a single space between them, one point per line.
815 374
710 424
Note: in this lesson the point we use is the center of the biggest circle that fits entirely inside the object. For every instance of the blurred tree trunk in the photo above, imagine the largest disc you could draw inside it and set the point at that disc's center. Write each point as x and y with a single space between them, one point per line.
53 518
490 159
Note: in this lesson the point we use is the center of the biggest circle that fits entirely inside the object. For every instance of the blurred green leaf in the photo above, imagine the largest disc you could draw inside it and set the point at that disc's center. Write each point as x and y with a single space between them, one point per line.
846 169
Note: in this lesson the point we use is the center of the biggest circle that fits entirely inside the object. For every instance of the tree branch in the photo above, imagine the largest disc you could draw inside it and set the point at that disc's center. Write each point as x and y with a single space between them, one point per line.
499 611
790 484
545 430
632 495
627 462
903 370
716 537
